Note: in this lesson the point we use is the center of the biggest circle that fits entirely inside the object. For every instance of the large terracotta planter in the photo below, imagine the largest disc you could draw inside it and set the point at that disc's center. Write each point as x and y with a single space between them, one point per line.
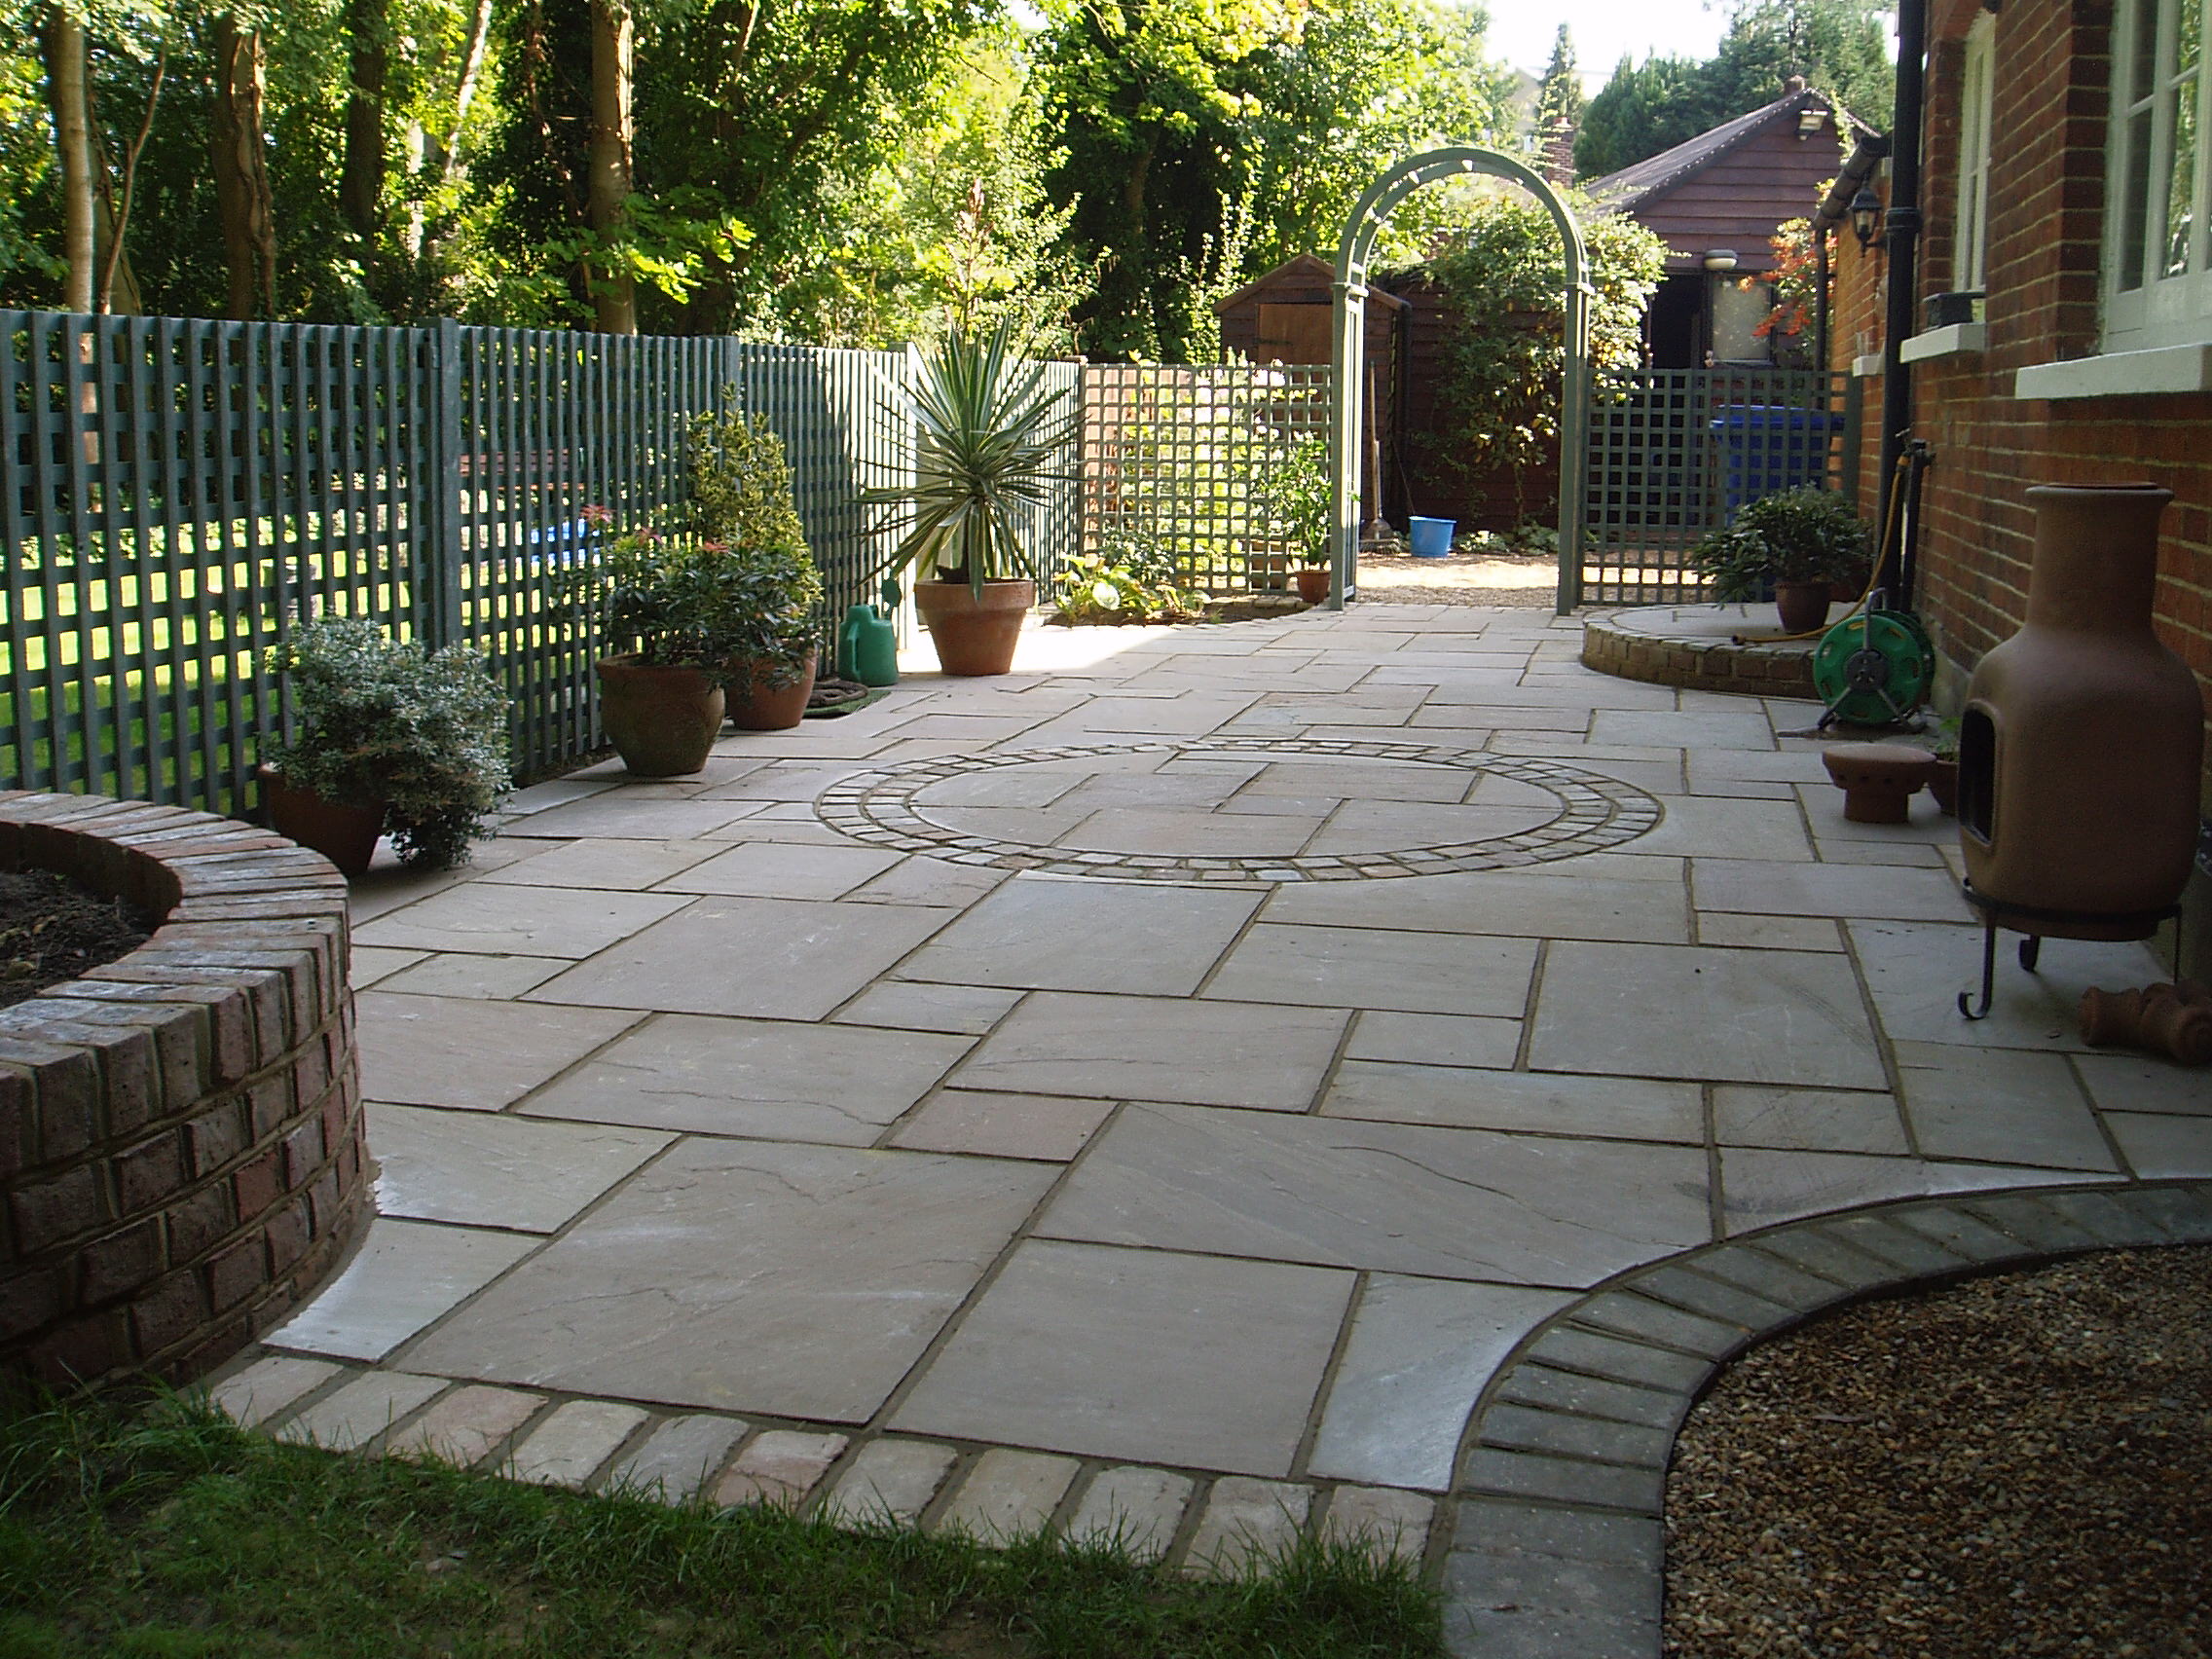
346 836
975 637
662 720
1312 582
754 705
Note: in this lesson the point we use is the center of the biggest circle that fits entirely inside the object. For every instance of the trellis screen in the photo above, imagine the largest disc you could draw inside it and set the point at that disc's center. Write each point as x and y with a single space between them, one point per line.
1672 452
1182 457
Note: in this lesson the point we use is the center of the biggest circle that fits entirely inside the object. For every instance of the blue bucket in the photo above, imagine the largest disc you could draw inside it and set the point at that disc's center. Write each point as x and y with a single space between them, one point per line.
1431 538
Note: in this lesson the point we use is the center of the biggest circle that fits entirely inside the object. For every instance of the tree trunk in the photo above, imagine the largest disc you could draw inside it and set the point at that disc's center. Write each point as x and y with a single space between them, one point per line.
615 298
64 42
360 182
242 172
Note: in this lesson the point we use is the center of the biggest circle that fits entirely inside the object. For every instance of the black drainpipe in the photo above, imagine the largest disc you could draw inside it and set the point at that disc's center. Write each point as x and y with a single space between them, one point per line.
1904 241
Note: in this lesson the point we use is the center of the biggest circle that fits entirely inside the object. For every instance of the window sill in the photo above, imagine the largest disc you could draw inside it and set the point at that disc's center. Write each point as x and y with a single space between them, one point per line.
2120 374
1952 340
1868 366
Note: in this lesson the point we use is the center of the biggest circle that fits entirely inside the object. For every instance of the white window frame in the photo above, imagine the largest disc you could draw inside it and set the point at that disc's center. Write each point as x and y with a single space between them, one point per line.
2157 288
1970 223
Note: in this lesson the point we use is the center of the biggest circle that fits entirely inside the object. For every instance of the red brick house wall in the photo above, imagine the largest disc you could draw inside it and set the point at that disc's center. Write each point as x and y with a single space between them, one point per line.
2045 225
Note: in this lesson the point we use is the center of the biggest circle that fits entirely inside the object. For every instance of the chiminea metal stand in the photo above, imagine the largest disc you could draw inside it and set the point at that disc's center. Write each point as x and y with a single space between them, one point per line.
2026 919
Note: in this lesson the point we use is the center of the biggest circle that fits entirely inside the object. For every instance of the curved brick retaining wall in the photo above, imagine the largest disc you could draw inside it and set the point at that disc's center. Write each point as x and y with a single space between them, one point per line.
181 1158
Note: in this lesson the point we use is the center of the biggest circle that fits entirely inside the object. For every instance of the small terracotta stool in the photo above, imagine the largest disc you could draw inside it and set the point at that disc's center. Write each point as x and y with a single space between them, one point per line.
1878 780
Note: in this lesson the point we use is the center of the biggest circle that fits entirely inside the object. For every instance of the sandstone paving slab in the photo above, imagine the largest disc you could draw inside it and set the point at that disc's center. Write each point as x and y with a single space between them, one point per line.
574 1440
1247 1524
776 1080
1049 1126
1699 1013
1665 728
494 1170
1759 1187
1008 1494
366 1407
369 964
1193 713
1362 779
1125 1355
1915 971
615 816
1220 1054
1030 788
1395 825
2160 1147
793 1280
2004 1105
1021 825
554 792
1389 1524
1420 1355
772 958
927 881
1132 1508
1544 1102
1197 784
464 1426
784 781
405 1275
476 1055
1390 1198
1087 936
1456 716
914 1005
1174 832
1808 1120
677 1457
1377 967
1925 825
1434 1039
780 1467
784 869
1795 889
630 866
457 974
268 1387
2140 1083
1768 933
889 1482
1576 905
1705 826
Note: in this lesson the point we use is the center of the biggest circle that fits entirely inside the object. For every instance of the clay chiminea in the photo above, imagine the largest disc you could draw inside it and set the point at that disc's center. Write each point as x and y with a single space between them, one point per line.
2081 740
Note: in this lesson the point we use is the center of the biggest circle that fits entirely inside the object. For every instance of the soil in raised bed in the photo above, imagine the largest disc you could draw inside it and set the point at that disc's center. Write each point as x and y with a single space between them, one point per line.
2018 1465
53 930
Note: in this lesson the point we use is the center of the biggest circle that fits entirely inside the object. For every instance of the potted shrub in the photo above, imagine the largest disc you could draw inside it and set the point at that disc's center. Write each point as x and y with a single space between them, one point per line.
1297 496
742 506
1799 541
987 429
388 736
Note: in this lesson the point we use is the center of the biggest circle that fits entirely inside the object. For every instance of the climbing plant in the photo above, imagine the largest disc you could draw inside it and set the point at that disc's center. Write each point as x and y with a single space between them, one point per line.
1501 273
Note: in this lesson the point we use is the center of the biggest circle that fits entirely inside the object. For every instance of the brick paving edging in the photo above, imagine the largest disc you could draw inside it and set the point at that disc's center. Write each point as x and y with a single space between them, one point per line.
1614 645
1558 1547
181 1154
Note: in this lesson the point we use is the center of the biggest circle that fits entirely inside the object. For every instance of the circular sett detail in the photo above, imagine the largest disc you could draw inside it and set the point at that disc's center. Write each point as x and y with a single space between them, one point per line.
1551 811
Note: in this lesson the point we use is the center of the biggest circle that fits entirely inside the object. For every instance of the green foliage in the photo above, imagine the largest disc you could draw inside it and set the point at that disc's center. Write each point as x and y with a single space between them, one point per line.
1296 493
1504 274
1131 578
1645 108
119 1527
987 435
1560 102
1807 534
740 483
379 720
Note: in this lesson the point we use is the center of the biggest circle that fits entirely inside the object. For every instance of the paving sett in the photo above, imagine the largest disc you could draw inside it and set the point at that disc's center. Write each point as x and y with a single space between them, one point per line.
730 1152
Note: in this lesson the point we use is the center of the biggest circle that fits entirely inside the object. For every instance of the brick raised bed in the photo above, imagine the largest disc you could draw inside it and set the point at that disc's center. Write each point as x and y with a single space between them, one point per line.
181 1153
1694 645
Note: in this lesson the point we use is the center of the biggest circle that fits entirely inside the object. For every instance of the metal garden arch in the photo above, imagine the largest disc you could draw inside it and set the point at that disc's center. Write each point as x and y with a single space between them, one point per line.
1348 359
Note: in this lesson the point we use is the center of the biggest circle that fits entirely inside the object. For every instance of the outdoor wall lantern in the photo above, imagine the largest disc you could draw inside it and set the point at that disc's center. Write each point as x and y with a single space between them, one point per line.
1811 119
1719 259
1865 216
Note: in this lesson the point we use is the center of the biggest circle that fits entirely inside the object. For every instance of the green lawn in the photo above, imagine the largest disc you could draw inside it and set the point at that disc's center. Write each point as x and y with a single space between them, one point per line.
169 1534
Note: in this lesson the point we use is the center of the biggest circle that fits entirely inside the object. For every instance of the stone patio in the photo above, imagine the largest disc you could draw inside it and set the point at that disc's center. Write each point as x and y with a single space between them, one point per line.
1161 1091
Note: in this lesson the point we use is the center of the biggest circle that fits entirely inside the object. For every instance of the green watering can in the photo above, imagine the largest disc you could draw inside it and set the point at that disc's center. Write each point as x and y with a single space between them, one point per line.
868 644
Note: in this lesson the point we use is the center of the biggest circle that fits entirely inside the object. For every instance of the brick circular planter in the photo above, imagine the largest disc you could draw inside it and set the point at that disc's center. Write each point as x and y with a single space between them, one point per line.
1695 645
181 1154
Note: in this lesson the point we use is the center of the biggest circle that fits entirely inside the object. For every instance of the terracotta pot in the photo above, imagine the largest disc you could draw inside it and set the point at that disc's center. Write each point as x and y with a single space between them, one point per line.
754 705
1878 780
975 638
1943 785
1312 583
346 836
1802 606
2080 745
663 721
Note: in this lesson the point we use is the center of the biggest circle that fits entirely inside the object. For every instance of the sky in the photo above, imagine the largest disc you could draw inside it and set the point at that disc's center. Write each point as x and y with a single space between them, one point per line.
1602 30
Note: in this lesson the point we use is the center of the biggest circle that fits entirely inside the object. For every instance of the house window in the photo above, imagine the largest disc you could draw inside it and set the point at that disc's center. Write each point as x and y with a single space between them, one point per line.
1971 225
2156 289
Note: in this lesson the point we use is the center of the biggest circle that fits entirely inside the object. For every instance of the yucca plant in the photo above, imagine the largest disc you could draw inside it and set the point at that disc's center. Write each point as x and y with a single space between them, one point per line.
987 430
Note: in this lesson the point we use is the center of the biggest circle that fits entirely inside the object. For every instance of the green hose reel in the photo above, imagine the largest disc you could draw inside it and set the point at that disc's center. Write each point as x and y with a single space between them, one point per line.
1873 669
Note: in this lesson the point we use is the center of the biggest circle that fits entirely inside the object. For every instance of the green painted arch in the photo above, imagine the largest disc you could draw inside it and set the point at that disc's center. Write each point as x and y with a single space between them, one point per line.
1347 358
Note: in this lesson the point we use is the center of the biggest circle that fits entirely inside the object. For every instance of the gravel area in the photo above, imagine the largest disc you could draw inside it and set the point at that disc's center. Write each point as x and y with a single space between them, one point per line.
1387 578
2019 1465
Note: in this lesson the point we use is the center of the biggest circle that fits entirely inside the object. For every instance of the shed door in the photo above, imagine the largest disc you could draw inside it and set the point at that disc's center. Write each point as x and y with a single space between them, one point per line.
1294 333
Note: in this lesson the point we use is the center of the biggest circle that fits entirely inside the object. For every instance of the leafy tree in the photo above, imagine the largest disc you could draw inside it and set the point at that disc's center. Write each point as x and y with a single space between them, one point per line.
1559 104
1645 108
